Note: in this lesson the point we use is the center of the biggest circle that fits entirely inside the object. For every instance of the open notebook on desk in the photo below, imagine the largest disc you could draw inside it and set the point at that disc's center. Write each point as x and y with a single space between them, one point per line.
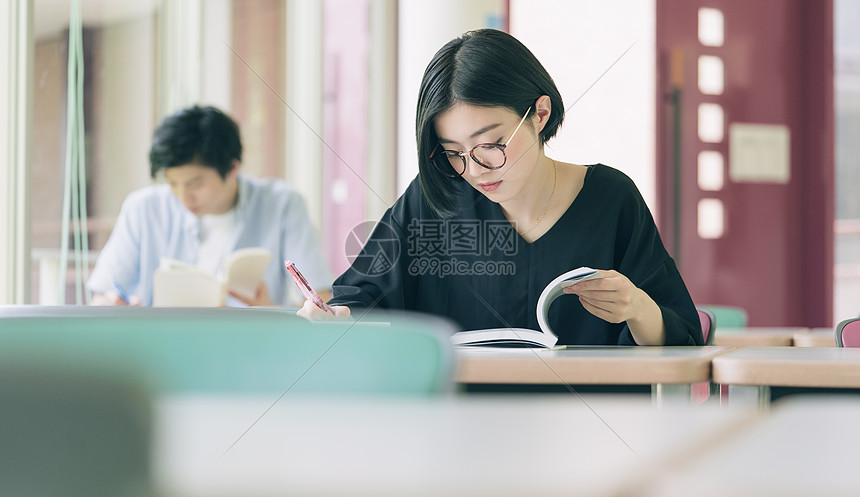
519 337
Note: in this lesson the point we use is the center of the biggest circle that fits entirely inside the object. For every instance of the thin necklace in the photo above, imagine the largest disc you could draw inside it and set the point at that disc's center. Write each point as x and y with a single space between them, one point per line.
554 177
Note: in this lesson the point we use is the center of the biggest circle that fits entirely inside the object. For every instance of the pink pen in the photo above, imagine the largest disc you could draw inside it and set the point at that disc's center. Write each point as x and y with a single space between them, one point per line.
305 288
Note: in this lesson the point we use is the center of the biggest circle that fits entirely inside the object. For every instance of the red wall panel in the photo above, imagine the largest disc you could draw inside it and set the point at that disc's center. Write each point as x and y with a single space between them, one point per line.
775 258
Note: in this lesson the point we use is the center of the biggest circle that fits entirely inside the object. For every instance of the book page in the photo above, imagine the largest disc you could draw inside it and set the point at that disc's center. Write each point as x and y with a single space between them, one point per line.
243 270
504 336
555 289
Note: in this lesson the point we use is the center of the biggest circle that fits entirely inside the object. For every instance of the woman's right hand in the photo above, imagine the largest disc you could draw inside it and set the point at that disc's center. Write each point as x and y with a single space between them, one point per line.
311 312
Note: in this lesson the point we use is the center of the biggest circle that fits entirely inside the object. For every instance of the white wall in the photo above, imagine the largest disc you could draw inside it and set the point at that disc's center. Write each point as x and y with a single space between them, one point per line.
846 294
614 122
217 57
423 27
126 107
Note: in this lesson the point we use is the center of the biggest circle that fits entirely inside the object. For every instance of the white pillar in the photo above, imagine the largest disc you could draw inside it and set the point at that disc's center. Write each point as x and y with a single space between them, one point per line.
180 54
382 109
304 82
16 109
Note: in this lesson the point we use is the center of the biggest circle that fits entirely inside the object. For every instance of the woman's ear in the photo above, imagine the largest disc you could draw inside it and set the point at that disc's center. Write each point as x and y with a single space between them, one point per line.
543 109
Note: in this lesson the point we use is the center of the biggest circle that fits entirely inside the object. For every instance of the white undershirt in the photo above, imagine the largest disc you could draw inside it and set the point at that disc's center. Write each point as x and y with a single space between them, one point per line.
215 232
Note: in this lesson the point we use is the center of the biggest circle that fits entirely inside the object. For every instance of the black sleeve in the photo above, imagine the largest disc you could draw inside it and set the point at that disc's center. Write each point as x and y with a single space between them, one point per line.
379 275
642 258
376 276
680 318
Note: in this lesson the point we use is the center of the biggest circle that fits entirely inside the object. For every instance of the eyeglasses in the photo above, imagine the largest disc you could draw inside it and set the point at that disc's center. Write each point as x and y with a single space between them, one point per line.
452 163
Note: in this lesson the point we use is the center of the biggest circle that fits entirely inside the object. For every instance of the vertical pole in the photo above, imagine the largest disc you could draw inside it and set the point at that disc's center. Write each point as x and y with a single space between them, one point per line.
16 109
677 81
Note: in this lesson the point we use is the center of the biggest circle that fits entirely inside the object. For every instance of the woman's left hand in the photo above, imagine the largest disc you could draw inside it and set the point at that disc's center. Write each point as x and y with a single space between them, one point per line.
615 299
612 298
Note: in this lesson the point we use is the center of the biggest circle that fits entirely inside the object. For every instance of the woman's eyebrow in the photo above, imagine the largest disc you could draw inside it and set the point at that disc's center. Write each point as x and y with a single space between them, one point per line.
481 131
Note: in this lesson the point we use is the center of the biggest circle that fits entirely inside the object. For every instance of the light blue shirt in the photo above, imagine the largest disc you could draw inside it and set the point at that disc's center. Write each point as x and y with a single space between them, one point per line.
153 224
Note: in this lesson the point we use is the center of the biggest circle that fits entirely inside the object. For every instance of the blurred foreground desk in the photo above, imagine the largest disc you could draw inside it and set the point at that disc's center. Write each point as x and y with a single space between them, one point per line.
755 336
751 371
669 370
805 446
455 446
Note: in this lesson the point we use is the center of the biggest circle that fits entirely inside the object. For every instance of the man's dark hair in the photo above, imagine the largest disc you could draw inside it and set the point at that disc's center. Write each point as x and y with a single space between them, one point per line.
199 135
485 68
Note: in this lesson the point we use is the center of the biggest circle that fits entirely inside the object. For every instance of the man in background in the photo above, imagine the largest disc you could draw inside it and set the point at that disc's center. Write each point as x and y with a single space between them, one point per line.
206 210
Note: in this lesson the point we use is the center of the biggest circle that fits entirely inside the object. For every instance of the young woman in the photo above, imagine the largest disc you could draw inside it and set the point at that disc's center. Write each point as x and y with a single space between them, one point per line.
491 219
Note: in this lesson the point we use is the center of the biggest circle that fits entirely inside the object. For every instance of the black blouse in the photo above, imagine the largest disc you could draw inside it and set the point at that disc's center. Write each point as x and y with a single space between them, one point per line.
475 268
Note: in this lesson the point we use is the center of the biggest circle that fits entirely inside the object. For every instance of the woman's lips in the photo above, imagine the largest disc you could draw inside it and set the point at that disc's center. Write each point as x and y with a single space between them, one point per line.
490 187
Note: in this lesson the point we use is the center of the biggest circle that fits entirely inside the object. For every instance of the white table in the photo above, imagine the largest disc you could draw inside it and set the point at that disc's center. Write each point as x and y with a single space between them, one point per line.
756 335
465 445
804 447
751 371
669 370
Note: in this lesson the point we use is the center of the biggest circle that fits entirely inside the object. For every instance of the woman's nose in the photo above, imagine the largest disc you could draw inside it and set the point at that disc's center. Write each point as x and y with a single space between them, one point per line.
475 168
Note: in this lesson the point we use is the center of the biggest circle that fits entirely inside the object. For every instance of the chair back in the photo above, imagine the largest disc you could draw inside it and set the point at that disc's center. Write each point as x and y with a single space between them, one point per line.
73 433
848 333
709 325
728 316
230 350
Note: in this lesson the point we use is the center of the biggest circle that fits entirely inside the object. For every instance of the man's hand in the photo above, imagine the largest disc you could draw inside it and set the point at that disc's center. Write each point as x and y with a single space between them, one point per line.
112 298
261 298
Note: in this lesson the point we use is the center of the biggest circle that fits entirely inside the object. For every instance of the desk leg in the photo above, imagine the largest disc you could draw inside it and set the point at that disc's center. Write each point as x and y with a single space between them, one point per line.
665 394
715 391
750 395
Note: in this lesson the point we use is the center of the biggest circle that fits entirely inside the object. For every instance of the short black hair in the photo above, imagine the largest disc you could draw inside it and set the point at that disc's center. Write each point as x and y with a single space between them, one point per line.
486 68
199 135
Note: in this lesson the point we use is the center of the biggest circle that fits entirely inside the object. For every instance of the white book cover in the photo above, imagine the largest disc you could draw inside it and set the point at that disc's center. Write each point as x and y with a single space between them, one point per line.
179 284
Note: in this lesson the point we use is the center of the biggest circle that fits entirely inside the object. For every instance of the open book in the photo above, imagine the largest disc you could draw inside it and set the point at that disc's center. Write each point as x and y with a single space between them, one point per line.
525 336
179 284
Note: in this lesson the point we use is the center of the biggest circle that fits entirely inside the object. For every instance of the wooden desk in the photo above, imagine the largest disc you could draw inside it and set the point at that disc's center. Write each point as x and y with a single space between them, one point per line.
804 447
755 336
475 446
815 337
751 371
670 370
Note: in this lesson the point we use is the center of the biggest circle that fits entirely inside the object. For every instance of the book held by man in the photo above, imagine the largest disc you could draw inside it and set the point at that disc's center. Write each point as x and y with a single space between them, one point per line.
524 337
180 284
